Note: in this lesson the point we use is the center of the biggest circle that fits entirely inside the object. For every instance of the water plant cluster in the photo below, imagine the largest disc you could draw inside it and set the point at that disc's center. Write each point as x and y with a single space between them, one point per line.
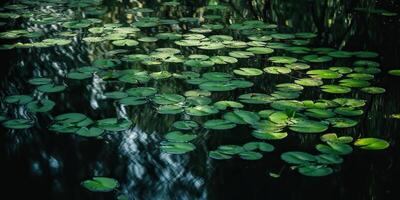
211 57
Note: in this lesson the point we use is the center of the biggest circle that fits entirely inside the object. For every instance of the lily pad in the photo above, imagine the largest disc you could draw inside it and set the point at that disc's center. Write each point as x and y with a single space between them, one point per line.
371 143
18 123
219 124
100 184
178 136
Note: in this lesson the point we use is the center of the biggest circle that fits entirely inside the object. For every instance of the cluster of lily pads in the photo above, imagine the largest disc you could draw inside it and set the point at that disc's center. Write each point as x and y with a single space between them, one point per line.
209 64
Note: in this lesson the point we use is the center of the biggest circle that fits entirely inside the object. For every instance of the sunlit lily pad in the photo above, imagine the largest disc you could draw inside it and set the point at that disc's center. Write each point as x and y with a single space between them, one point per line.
332 137
308 126
335 89
248 71
334 148
371 143
202 110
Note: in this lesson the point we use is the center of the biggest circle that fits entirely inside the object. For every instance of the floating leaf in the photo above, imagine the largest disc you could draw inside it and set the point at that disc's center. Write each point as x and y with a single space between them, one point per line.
371 143
114 124
185 125
248 71
40 106
373 90
178 136
250 155
177 147
18 123
219 124
297 157
262 146
18 99
100 184
315 170
308 126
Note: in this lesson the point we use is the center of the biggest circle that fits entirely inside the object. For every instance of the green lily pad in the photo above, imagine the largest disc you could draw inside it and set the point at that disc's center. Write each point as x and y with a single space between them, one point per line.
100 184
315 170
260 50
334 148
250 155
166 99
185 125
141 91
39 81
202 110
178 136
40 106
170 109
332 137
308 126
177 147
90 132
219 155
242 117
341 122
277 70
282 59
371 143
219 124
223 105
373 90
297 157
248 71
18 123
324 74
51 88
114 124
125 42
115 95
310 82
335 89
317 59
268 135
132 101
262 146
395 72
18 99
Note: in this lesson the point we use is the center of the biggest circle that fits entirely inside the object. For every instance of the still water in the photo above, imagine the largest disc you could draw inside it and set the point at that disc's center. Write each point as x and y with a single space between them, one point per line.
144 65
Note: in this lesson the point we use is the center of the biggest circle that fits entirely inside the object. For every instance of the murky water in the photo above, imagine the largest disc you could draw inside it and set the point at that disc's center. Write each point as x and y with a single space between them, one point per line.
48 162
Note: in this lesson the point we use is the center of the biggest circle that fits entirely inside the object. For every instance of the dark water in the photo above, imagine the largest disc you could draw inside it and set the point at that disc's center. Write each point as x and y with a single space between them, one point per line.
40 164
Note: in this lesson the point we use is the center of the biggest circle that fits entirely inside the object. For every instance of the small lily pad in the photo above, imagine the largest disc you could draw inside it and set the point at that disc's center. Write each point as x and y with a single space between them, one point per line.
100 184
371 143
178 136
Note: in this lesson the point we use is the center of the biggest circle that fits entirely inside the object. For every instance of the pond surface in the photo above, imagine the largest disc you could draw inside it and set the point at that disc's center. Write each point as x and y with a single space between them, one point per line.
200 99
